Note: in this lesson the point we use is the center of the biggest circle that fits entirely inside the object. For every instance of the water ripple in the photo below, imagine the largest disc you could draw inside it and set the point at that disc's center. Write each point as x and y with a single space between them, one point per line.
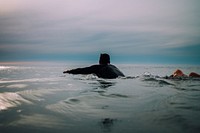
9 99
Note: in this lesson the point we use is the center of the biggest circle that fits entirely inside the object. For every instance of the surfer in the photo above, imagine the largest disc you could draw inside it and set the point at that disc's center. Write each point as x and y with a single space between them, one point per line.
103 70
179 73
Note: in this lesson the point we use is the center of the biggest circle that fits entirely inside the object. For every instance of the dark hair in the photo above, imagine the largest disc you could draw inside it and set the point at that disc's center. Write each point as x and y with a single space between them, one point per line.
104 59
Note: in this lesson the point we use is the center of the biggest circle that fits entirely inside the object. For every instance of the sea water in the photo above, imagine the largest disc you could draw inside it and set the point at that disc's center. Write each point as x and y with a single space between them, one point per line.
39 98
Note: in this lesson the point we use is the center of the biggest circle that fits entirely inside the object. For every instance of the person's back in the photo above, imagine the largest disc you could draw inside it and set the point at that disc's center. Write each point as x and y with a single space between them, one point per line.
103 70
108 71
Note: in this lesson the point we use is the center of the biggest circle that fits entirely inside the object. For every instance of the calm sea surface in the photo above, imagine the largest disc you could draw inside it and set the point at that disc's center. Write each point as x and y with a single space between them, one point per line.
40 99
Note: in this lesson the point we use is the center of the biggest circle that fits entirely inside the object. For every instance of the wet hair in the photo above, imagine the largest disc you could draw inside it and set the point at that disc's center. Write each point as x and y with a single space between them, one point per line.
104 59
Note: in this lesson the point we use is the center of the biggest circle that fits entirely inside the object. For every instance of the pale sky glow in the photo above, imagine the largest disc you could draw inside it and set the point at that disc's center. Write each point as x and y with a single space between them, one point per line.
152 31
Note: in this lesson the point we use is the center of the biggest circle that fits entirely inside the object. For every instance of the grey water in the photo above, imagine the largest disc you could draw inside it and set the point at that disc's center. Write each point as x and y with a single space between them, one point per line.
39 98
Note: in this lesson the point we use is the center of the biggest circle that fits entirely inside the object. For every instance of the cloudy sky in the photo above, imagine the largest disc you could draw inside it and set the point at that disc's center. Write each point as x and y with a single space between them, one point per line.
131 31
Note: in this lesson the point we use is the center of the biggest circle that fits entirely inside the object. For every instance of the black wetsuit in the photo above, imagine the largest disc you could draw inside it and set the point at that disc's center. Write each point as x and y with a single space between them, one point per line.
102 71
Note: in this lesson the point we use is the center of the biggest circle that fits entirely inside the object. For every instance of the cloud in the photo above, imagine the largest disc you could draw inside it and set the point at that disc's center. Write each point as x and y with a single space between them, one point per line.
128 27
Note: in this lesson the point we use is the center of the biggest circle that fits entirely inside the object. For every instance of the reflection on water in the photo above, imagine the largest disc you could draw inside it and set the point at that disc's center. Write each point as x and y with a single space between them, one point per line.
40 121
107 124
9 99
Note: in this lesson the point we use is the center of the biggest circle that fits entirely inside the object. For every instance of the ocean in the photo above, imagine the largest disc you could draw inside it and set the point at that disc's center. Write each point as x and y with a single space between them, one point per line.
39 98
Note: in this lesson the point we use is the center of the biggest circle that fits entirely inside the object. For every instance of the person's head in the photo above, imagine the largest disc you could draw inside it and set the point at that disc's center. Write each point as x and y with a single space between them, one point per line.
178 73
104 59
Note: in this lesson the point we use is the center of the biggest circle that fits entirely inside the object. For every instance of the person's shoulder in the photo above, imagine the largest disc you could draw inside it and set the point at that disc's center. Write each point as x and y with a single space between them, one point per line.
111 65
95 65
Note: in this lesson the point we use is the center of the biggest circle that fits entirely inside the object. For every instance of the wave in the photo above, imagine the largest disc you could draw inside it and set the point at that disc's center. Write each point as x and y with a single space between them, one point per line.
114 95
157 81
